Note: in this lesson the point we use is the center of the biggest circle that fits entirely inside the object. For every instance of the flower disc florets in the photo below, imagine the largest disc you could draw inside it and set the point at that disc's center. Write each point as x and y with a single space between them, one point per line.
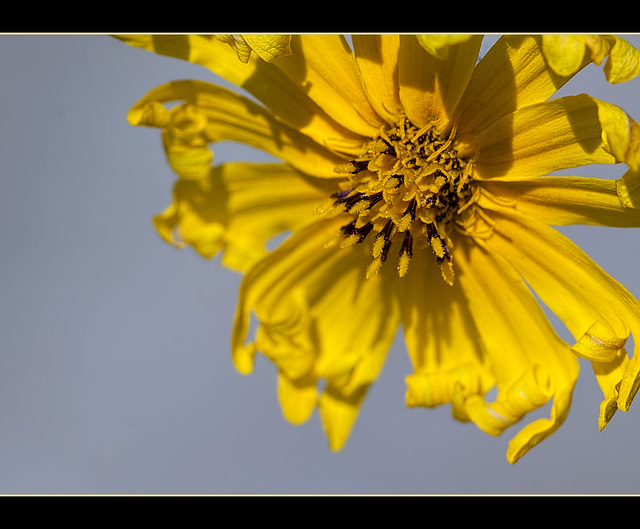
406 188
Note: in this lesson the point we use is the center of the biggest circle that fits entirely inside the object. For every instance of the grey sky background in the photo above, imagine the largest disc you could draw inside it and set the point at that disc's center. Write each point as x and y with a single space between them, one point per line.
115 370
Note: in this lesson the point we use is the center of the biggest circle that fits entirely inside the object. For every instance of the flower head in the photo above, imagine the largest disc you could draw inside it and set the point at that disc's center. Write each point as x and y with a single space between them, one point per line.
416 184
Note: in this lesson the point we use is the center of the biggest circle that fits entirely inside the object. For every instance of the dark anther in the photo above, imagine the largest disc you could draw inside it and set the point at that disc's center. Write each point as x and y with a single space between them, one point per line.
350 229
353 200
411 209
431 231
360 165
374 199
386 234
390 150
407 244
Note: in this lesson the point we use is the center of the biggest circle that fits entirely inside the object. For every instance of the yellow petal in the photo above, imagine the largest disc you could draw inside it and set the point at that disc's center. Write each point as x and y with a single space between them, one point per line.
267 47
439 45
599 344
298 397
623 63
317 316
446 352
564 53
377 59
596 309
324 67
285 97
628 189
238 208
608 375
540 429
542 138
530 362
620 134
511 75
230 116
562 200
430 88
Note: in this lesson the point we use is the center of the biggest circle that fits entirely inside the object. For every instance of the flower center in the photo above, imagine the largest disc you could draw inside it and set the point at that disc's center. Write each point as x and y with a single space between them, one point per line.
405 191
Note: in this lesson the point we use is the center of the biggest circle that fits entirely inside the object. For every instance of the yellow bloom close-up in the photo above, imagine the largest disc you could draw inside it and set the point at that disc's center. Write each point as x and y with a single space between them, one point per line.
414 190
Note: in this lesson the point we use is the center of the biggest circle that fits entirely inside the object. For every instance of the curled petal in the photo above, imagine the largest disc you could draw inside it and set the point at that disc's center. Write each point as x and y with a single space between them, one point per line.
530 362
526 394
219 114
620 134
624 60
597 310
566 54
599 344
185 142
285 97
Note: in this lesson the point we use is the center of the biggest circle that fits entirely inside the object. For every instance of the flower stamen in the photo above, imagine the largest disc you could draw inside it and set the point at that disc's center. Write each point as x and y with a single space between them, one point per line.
409 185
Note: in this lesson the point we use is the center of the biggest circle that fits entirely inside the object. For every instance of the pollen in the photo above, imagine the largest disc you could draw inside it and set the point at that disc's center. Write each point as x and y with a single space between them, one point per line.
405 192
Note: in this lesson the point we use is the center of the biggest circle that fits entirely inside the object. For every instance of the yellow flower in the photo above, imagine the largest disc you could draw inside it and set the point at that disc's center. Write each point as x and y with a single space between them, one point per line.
414 184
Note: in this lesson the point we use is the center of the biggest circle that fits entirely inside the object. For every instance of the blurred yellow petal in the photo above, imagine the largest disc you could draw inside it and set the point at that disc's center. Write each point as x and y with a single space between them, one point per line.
315 318
237 209
298 397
